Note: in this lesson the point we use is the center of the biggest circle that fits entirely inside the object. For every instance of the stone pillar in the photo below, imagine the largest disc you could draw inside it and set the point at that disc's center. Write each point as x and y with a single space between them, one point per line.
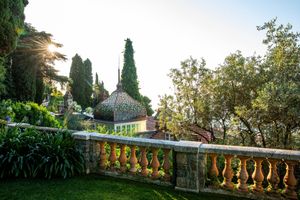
94 155
190 166
83 141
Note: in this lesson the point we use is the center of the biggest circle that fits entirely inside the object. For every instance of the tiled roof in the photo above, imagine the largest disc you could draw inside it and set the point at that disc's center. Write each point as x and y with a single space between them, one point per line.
119 106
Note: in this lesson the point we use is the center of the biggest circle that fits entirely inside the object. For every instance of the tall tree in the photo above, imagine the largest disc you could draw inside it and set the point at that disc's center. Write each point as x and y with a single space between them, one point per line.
278 102
77 74
32 65
188 111
88 83
129 78
11 23
99 93
247 100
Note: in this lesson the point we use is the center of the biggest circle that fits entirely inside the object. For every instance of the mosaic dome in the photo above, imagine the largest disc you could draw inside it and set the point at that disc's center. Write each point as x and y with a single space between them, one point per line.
119 106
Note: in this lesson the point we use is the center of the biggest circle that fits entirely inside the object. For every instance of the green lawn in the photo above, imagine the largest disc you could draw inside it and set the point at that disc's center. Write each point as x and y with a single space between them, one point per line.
92 187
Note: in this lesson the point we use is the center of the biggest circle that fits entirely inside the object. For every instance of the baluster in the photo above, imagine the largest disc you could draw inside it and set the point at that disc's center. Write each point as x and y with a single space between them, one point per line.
113 156
166 164
227 173
258 176
123 158
102 156
243 175
214 172
154 164
133 160
290 180
144 161
273 177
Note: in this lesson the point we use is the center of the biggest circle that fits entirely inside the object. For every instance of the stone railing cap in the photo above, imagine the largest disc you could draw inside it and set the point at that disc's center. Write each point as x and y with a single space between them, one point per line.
133 141
82 135
251 151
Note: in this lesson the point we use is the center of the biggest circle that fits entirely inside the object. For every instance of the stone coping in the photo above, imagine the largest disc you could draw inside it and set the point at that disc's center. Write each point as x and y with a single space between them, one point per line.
41 128
179 146
250 151
193 147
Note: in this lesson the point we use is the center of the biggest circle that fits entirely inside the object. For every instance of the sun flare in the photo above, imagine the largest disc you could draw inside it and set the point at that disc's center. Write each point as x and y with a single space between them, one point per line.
52 48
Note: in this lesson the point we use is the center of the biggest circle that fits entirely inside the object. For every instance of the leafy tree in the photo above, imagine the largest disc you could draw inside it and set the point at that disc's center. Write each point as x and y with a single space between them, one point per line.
278 102
129 78
235 87
32 65
247 100
88 82
11 23
188 111
147 104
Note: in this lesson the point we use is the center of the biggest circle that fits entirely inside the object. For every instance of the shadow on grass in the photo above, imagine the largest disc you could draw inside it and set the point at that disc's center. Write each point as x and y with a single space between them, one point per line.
92 187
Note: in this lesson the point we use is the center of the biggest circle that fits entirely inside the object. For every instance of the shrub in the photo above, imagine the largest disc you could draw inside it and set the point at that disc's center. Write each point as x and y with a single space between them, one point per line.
31 153
28 112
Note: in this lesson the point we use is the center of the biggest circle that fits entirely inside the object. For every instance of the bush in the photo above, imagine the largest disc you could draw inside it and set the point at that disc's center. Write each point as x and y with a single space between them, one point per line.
31 153
28 112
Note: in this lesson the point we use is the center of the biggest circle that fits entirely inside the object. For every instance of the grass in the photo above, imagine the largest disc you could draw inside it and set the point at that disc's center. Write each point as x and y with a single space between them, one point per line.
92 187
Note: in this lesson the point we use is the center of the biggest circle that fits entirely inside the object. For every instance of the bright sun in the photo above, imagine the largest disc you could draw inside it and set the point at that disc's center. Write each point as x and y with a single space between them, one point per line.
52 48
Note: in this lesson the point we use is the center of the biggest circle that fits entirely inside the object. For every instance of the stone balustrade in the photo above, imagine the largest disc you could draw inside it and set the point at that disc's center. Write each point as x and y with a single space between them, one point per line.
125 157
256 173
265 182
193 165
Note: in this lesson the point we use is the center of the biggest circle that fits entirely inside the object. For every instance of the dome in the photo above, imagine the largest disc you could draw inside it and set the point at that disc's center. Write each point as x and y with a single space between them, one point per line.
119 106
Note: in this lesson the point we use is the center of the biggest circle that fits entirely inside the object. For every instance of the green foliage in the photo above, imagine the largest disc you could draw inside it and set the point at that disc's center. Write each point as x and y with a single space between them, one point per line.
88 83
130 80
188 112
100 93
28 112
246 101
11 23
147 104
32 66
56 100
82 81
30 153
73 122
2 76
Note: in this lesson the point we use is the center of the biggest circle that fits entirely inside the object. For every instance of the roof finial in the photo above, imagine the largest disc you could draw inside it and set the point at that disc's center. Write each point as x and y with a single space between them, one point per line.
119 71
119 85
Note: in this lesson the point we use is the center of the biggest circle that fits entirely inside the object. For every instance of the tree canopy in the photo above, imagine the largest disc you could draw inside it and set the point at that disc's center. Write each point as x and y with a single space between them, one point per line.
11 23
31 66
246 101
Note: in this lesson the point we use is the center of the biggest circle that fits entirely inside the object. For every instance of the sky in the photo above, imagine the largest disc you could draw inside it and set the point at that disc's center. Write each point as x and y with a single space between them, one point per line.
164 33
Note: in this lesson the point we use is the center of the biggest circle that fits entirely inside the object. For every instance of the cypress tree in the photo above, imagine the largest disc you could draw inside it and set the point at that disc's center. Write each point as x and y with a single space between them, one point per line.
77 75
129 77
130 80
99 93
88 82
97 79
